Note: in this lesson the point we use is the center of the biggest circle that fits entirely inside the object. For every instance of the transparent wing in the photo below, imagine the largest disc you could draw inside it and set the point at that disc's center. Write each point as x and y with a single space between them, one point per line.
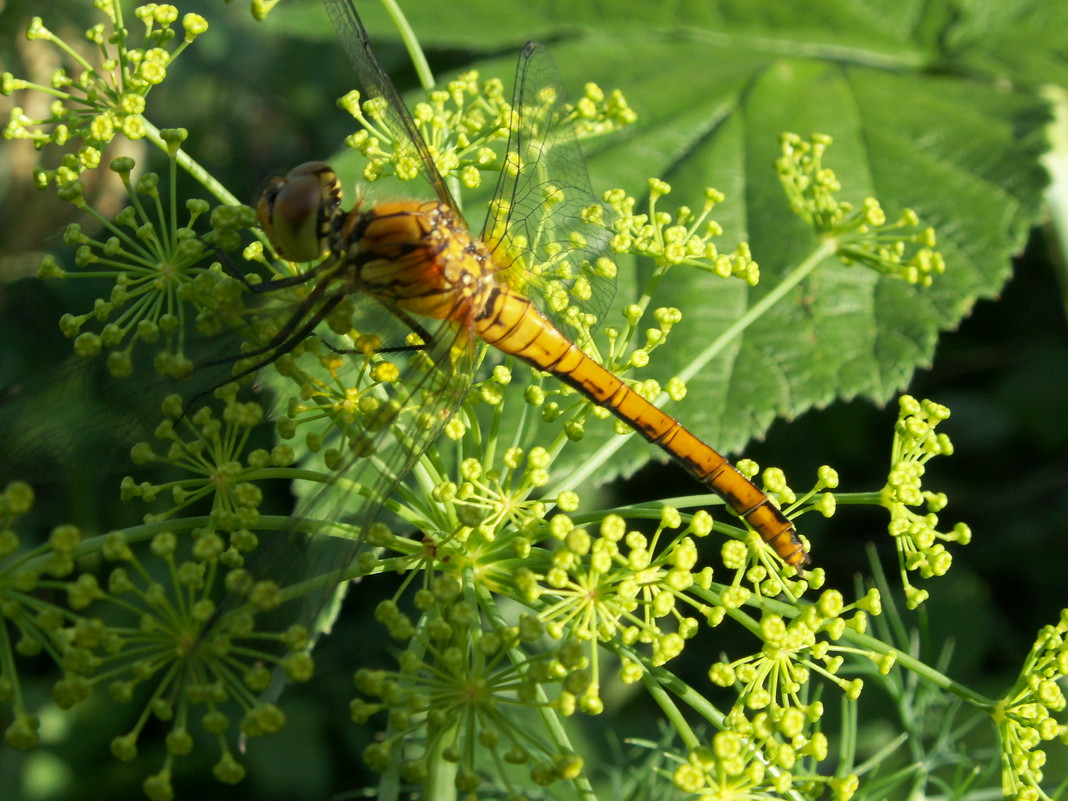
542 241
372 431
77 413
376 84
538 223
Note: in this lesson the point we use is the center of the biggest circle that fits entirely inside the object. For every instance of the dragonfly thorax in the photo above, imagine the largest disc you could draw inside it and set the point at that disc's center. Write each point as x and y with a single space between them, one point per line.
418 256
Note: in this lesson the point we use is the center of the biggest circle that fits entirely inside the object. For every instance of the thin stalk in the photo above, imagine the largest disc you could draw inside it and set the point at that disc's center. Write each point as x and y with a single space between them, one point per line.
411 43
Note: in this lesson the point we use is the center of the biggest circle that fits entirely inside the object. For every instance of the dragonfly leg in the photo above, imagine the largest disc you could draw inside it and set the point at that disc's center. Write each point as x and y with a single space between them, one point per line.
266 286
360 351
291 335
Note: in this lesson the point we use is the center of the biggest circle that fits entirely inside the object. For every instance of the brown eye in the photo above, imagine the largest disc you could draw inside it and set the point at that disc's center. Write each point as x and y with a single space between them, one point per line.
295 211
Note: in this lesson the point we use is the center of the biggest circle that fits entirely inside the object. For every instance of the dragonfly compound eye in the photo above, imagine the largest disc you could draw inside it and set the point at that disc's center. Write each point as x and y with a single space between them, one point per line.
296 211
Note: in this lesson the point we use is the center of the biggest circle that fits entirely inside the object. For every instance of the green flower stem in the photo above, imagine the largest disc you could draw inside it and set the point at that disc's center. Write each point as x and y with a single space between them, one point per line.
440 784
441 777
548 714
848 741
299 474
859 498
411 43
478 444
203 177
140 533
647 297
1056 161
9 668
598 459
826 249
925 671
422 70
658 682
77 58
652 680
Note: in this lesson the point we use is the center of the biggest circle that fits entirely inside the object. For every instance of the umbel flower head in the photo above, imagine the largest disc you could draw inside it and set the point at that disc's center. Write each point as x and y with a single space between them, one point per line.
860 236
181 641
96 101
1027 717
461 693
461 122
163 281
920 546
26 627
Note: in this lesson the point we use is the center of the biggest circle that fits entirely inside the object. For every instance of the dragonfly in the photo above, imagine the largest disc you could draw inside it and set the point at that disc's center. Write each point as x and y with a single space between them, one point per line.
422 263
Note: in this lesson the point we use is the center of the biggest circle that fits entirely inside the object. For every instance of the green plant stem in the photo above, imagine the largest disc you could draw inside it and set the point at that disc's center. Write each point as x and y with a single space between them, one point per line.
921 669
142 532
411 43
1056 194
440 783
759 309
550 717
670 709
859 499
187 163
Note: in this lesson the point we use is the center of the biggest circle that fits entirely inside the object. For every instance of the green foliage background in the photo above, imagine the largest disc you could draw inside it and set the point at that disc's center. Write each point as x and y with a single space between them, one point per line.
933 106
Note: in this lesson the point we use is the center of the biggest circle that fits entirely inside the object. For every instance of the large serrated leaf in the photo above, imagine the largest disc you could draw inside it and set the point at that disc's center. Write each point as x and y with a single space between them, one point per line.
921 102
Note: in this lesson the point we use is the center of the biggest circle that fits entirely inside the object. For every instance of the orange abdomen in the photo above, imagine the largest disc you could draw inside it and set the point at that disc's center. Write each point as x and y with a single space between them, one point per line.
510 322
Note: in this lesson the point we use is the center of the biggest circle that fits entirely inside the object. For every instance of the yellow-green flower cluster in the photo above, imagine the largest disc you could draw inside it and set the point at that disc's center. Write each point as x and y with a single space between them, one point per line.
27 624
486 518
622 587
684 237
159 272
462 691
175 635
863 236
190 637
596 114
794 649
461 123
199 654
213 450
920 545
98 101
495 501
762 759
458 123
1027 716
349 402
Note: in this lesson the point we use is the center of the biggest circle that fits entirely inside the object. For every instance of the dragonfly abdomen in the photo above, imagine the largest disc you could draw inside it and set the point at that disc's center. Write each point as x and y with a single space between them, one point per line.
509 322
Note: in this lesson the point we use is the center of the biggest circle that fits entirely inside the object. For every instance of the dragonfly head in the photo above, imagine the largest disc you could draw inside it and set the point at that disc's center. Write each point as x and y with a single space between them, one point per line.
297 211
